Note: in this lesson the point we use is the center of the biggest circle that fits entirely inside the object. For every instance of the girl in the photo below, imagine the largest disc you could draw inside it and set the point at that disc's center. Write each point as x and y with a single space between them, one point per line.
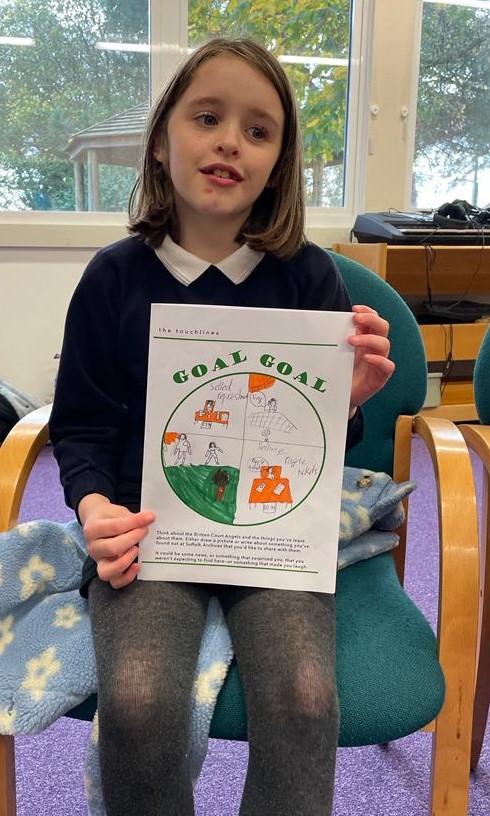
212 453
216 217
182 449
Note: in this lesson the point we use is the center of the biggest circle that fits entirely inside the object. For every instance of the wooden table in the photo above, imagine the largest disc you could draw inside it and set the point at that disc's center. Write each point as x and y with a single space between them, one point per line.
451 271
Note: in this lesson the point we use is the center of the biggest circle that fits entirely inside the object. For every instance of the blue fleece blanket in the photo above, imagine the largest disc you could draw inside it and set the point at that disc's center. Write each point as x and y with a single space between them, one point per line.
47 663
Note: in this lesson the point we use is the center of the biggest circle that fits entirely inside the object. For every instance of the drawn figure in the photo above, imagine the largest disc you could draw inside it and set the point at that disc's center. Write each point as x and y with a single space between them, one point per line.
212 454
272 405
182 449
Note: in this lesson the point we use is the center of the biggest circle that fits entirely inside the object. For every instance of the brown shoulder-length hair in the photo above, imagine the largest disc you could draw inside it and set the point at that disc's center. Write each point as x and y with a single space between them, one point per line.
276 222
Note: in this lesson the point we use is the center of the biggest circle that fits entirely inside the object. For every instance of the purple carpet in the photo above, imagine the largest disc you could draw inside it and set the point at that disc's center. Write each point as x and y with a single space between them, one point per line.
371 781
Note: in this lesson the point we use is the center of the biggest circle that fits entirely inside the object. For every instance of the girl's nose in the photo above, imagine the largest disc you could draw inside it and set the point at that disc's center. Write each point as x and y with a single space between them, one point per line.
227 148
227 143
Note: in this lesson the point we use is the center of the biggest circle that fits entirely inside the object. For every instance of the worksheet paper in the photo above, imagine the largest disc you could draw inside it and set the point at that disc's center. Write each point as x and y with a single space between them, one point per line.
246 422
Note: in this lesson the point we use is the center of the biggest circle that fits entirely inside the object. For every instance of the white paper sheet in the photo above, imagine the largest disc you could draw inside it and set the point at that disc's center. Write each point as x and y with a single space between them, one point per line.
244 445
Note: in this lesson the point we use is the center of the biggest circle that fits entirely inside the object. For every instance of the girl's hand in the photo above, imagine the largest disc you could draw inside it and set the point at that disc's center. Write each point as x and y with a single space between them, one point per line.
372 368
112 533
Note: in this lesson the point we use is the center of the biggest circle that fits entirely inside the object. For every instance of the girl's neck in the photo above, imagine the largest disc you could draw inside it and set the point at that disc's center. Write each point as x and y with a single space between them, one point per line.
212 246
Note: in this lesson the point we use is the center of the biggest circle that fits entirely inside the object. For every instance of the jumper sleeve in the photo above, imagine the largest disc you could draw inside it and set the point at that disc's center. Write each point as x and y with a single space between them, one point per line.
355 429
88 413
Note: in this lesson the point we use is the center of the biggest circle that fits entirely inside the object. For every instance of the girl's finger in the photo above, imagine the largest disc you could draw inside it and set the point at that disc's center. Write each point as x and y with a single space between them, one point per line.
110 568
115 547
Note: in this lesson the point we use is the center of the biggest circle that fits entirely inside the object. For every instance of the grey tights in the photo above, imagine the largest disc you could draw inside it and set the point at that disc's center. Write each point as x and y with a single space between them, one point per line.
147 638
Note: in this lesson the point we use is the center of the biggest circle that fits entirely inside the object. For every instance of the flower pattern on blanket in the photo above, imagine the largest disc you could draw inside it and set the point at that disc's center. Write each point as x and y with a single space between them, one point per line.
47 662
35 577
39 671
7 721
208 683
66 616
6 634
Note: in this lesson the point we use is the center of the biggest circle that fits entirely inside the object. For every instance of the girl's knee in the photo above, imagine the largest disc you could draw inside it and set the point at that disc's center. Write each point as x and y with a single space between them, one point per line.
135 704
315 694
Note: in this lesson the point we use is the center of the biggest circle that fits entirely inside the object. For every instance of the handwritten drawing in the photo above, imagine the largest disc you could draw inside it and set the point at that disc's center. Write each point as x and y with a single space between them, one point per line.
182 450
221 478
233 472
270 489
208 416
272 420
212 454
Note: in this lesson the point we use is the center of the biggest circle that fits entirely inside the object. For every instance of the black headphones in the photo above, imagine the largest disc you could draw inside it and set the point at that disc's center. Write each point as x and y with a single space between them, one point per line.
460 214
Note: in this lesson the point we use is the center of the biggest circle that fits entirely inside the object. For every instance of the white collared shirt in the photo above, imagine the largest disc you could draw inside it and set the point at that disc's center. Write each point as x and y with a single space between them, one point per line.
187 268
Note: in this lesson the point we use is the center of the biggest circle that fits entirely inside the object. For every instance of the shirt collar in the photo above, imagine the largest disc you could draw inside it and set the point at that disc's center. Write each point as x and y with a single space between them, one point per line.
187 267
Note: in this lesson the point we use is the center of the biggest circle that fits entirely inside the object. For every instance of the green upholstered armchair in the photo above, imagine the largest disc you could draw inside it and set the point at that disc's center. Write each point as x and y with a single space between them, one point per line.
394 675
478 440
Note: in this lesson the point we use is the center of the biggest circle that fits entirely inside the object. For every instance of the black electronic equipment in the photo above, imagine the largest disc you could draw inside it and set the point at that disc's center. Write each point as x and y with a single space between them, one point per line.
454 311
438 227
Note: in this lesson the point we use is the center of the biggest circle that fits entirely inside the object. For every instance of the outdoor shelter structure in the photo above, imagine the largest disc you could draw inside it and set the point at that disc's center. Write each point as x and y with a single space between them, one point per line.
116 141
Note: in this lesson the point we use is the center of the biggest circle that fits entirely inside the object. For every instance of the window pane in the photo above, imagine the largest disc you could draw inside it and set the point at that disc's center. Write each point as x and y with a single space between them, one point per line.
74 89
74 80
452 143
312 39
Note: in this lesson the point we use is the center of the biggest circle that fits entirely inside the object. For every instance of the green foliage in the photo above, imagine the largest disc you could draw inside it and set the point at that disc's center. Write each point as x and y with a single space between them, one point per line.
60 86
64 84
304 28
453 126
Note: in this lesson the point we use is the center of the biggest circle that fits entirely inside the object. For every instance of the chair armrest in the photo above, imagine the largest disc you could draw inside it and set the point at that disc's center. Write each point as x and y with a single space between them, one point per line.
18 454
477 437
457 624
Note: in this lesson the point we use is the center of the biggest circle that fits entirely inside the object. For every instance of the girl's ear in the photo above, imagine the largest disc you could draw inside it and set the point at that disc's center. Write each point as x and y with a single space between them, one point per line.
160 151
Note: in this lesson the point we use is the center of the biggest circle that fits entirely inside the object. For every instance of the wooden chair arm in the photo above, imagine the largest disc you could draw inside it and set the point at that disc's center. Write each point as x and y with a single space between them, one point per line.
458 604
477 437
18 454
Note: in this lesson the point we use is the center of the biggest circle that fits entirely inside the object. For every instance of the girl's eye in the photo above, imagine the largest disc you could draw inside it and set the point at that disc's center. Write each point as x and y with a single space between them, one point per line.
207 119
257 132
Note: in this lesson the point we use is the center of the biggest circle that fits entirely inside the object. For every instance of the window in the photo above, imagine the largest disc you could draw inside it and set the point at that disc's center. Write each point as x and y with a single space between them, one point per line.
74 88
75 74
312 40
452 137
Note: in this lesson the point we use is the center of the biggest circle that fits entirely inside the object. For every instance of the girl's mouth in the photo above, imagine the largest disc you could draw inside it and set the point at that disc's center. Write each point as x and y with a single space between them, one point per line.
220 171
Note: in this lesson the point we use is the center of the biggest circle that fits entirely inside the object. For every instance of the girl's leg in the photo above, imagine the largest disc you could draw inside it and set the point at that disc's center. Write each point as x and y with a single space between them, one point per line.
146 639
285 646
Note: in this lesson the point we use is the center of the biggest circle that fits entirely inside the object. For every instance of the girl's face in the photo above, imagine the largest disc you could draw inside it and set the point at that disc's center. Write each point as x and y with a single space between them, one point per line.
223 140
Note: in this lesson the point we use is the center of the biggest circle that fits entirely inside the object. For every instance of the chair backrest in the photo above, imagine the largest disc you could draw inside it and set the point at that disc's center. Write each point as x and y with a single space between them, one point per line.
405 392
481 381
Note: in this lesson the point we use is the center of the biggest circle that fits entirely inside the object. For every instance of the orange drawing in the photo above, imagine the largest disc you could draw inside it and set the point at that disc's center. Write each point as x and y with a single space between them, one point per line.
270 489
257 382
207 416
170 437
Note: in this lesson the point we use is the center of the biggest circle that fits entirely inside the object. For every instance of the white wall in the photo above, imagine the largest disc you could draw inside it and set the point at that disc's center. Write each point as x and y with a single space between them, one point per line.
36 283
36 286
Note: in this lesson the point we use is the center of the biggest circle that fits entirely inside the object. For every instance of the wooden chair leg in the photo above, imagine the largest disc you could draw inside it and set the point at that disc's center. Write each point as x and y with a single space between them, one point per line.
477 438
8 804
482 689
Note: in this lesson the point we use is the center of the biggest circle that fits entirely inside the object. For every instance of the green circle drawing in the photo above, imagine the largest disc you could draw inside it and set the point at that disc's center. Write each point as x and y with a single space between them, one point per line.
198 485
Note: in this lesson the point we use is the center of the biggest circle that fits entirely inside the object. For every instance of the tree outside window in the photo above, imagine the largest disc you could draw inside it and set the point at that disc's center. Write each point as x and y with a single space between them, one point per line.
74 78
452 143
